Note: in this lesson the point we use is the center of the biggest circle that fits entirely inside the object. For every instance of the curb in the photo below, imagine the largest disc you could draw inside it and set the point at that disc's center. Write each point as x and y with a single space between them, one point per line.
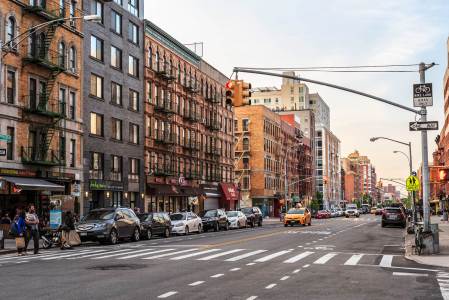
3 252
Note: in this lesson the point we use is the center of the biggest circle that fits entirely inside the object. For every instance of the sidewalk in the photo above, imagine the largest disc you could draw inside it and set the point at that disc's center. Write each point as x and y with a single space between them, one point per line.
441 259
10 247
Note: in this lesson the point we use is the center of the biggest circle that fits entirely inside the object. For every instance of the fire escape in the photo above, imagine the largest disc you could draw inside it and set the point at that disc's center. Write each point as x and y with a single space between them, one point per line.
44 112
214 124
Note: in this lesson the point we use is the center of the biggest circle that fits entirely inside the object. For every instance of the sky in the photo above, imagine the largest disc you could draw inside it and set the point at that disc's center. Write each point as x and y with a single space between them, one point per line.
301 33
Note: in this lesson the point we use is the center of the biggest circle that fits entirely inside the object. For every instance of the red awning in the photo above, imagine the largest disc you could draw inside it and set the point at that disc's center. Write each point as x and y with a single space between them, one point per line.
230 191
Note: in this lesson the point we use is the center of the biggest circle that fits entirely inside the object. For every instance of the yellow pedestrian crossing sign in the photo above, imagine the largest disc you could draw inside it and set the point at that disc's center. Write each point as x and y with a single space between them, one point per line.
412 184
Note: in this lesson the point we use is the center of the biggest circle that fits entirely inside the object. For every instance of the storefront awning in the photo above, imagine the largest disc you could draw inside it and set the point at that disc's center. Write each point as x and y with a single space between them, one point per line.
33 184
230 191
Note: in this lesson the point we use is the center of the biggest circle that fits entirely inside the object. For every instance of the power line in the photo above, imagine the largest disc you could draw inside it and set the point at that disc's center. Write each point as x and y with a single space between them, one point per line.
333 67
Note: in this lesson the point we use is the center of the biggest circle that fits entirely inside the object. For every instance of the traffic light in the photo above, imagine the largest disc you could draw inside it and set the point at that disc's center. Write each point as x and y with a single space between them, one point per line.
238 93
443 175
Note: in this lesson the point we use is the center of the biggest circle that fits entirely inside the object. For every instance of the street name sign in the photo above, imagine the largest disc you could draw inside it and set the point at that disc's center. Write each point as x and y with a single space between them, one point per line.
422 95
5 137
2 152
420 126
412 184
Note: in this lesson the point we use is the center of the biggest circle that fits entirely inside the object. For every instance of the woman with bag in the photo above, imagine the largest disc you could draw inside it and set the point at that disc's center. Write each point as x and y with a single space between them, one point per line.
19 231
68 232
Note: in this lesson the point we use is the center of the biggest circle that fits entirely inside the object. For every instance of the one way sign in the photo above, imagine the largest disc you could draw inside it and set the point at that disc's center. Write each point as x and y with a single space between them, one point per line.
420 126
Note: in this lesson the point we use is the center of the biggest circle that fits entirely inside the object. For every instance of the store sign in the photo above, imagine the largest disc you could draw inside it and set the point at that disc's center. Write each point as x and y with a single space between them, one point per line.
61 175
55 218
17 172
104 185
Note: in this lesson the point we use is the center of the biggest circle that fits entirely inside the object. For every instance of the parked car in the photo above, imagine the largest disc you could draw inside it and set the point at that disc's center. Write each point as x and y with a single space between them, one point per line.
365 208
379 211
215 219
334 213
322 214
298 216
340 212
253 215
393 216
155 224
352 211
236 219
373 210
186 222
109 225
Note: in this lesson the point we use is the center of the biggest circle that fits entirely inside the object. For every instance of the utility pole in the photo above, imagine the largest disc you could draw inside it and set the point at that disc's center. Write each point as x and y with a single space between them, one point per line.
425 156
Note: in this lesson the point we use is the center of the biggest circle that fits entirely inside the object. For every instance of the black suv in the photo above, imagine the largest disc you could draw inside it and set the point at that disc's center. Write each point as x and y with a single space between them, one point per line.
109 225
253 216
154 224
215 219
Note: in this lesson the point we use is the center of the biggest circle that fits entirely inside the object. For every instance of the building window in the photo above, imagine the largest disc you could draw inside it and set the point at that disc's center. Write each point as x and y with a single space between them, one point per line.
116 168
116 129
116 57
119 2
62 8
133 33
245 183
116 22
133 100
96 166
72 59
62 100
62 148
116 93
96 124
96 47
245 144
72 10
245 124
11 86
72 153
133 7
134 164
10 143
133 66
61 55
72 105
133 133
149 91
97 9
150 57
96 86
11 32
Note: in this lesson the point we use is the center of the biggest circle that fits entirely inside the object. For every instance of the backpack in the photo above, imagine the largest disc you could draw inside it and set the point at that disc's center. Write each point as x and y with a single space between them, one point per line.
14 230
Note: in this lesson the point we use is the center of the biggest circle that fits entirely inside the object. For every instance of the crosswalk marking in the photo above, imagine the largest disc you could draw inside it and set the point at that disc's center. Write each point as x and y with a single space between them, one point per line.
69 255
271 256
386 261
51 255
324 259
196 283
170 254
298 257
354 260
145 253
195 254
220 254
239 257
168 294
96 254
117 254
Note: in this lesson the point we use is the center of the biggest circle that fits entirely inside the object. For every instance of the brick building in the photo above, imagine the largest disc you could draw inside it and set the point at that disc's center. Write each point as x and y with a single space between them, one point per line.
40 103
263 157
189 158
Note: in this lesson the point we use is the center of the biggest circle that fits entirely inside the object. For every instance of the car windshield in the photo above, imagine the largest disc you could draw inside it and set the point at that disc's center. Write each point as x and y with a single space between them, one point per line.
145 217
352 207
393 210
177 217
211 213
247 210
232 214
296 211
99 215
322 212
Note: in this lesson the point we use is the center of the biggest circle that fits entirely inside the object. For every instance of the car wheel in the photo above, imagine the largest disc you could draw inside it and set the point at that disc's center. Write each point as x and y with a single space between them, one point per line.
383 224
310 223
186 230
260 223
347 216
136 235
200 229
217 227
253 223
167 232
113 237
227 226
285 225
149 234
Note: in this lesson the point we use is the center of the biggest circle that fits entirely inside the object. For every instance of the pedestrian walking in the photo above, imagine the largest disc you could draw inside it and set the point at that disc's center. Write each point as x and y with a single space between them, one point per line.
67 227
32 225
18 230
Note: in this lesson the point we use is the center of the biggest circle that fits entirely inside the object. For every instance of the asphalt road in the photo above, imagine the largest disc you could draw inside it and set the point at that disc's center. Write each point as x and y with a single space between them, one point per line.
333 259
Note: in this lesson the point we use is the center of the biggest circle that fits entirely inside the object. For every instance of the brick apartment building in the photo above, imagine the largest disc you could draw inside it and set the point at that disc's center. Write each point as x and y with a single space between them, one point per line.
189 158
262 152
40 104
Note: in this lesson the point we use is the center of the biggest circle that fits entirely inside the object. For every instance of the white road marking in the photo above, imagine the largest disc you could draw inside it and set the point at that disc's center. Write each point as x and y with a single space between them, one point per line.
270 286
239 257
444 284
271 256
196 283
220 254
250 264
354 260
117 254
386 261
69 255
296 271
285 278
195 254
252 298
298 257
96 254
217 275
409 274
306 266
168 294
145 253
234 269
324 259
169 254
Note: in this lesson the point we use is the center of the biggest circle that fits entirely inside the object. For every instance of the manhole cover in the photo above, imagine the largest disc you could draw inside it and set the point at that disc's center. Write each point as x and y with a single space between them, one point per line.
117 267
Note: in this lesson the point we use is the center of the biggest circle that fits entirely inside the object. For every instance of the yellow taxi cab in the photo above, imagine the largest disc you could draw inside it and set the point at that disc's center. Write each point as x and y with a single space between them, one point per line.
373 210
298 216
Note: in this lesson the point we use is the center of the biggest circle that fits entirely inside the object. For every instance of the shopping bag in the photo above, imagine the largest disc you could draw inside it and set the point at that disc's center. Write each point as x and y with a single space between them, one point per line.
74 238
20 242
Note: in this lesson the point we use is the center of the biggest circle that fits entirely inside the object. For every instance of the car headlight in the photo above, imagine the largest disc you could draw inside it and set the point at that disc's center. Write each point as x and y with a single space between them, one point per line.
100 226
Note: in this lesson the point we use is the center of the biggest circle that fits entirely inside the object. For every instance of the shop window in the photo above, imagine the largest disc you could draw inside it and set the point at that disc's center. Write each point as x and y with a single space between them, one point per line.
10 144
